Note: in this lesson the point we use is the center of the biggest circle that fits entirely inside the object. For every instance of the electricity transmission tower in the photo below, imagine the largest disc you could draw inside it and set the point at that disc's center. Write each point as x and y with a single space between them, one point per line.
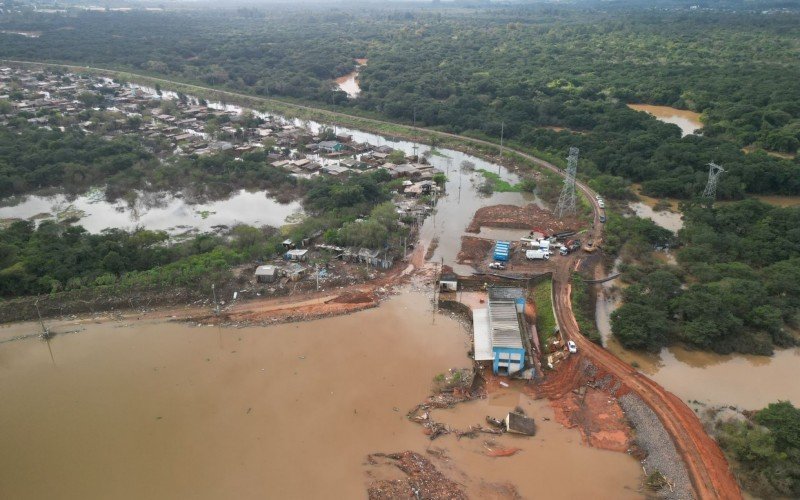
714 171
566 201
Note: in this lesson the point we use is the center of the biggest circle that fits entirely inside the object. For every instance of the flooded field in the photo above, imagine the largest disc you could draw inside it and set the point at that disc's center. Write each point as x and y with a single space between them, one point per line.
780 201
664 218
157 211
150 409
668 219
688 121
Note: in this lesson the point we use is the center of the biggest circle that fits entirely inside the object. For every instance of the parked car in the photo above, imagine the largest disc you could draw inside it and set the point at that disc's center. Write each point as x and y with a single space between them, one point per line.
572 347
601 204
602 218
497 265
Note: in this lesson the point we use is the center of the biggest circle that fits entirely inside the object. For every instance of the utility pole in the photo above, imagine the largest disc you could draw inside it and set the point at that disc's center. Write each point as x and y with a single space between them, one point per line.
46 335
502 130
216 305
414 148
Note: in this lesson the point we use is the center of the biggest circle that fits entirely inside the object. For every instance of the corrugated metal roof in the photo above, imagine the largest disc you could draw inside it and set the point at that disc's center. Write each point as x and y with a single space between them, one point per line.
482 339
505 292
503 323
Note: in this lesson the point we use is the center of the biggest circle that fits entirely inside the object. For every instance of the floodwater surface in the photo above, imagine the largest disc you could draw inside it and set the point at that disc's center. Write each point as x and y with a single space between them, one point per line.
747 381
156 211
153 409
664 218
349 82
688 121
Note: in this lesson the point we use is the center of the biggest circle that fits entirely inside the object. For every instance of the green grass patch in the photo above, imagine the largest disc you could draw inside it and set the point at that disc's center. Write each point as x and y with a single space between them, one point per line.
501 186
545 317
582 309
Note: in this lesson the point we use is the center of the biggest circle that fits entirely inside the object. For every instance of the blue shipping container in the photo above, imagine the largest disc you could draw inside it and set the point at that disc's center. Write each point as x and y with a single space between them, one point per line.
501 250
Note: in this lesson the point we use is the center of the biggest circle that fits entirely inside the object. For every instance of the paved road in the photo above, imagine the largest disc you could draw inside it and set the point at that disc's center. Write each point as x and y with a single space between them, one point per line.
704 460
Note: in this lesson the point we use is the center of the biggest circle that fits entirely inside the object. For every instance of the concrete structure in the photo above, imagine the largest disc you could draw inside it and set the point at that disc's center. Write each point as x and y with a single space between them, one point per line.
266 274
448 282
506 306
297 254
481 337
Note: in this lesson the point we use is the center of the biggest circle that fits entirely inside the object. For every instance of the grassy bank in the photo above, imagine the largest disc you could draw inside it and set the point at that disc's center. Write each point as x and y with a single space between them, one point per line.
582 309
545 316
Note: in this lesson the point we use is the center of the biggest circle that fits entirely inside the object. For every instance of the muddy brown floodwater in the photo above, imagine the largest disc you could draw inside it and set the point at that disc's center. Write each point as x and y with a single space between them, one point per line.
153 409
750 382
688 121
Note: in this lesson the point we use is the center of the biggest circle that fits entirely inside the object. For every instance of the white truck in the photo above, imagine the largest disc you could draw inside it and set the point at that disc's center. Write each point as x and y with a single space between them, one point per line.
537 255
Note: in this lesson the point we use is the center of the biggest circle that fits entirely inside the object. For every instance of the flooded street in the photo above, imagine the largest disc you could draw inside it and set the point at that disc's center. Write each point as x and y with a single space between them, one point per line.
150 409
688 121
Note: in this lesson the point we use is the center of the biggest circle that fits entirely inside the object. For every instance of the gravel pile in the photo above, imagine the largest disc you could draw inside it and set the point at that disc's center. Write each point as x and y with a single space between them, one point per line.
661 453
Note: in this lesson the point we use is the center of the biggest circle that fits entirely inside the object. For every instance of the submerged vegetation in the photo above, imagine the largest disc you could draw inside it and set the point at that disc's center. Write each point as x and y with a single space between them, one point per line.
493 183
734 289
766 450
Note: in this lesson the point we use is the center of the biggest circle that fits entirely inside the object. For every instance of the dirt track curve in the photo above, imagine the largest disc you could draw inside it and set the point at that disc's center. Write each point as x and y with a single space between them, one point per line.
705 462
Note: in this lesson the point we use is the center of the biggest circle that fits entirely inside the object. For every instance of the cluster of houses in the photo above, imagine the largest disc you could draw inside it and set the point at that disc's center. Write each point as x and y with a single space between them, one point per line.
173 124
184 125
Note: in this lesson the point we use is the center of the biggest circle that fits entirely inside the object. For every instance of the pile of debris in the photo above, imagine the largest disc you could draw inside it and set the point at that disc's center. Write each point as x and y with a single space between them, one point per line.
423 479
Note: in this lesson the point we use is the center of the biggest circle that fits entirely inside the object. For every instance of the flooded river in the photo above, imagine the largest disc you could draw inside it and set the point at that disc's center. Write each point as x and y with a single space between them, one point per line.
151 409
688 121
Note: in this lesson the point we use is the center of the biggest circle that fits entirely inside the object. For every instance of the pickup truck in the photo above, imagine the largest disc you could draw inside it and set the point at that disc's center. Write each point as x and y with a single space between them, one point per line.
570 246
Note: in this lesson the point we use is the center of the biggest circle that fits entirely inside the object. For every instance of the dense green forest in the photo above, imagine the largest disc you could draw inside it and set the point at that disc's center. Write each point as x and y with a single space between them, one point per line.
736 286
525 67
766 450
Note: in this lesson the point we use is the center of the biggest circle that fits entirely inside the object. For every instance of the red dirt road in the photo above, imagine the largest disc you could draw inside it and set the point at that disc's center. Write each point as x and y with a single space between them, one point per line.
705 462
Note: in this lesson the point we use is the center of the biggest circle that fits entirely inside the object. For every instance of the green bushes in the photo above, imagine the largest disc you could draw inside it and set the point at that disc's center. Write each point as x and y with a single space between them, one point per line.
582 309
545 317
736 289
766 450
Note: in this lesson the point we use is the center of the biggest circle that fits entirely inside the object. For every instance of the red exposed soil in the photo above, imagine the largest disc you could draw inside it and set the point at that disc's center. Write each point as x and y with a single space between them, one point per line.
705 462
354 297
584 398
529 217
474 250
